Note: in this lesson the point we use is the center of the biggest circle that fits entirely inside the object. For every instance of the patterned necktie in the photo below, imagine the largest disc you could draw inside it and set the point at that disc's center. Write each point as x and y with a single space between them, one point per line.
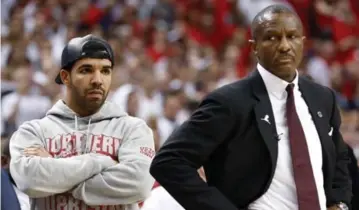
307 193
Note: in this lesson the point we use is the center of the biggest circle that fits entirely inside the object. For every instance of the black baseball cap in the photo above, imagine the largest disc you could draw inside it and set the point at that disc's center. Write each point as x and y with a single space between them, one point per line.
88 46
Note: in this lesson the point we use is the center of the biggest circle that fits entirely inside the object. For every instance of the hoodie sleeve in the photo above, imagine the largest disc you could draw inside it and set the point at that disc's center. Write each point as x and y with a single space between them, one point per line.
44 176
129 181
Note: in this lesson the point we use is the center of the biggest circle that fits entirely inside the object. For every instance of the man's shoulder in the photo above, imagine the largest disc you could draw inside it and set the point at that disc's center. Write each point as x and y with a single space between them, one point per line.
32 126
118 115
315 87
236 90
129 122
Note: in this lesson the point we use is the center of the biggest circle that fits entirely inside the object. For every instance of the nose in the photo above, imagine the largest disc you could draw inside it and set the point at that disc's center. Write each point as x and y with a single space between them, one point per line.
96 78
284 46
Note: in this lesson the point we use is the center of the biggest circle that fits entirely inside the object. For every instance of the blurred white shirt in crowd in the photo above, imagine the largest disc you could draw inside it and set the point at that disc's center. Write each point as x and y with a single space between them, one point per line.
24 199
120 95
147 106
250 8
30 107
165 128
58 41
6 6
150 106
5 53
182 116
356 152
319 70
29 18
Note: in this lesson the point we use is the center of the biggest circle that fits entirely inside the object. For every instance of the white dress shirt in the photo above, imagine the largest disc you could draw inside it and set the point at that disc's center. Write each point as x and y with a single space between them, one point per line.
160 199
24 199
282 190
165 128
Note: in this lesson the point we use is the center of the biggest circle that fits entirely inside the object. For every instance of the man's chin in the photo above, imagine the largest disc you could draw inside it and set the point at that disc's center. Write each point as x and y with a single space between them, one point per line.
285 72
95 104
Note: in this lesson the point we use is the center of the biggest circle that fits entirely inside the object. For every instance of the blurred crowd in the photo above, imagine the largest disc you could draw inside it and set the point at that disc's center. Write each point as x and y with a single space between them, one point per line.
169 53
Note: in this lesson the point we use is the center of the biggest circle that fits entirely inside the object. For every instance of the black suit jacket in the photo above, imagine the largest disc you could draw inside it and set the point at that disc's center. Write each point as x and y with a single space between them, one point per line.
239 150
354 171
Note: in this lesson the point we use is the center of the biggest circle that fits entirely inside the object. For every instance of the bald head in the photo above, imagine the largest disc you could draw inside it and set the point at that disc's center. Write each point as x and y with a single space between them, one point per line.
267 14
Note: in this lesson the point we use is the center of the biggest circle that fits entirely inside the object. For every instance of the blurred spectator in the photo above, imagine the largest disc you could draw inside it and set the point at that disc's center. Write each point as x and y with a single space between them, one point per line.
24 103
168 121
127 97
319 66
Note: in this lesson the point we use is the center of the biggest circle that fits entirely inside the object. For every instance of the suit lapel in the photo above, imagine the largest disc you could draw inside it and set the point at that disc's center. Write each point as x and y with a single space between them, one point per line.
262 110
316 111
269 132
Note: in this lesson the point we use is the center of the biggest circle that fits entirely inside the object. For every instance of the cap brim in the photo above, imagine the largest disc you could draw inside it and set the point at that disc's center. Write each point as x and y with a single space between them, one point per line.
58 79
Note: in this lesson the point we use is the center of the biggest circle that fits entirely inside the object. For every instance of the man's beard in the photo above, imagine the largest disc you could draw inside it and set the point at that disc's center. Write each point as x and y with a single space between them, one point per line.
84 103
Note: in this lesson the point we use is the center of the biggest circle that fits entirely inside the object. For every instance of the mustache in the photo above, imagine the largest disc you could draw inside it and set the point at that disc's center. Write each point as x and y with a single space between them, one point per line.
285 56
98 89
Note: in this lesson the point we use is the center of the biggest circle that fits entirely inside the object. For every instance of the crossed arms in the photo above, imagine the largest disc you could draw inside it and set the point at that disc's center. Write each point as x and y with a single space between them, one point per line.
94 178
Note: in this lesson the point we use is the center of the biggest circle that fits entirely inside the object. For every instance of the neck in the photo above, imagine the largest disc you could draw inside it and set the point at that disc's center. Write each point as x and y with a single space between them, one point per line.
290 78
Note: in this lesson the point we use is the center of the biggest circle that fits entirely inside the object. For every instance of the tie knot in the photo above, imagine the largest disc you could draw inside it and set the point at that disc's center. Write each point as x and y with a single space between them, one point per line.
290 88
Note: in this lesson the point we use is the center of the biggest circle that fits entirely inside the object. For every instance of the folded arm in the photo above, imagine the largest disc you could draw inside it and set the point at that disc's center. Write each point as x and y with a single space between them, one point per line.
127 182
44 176
187 149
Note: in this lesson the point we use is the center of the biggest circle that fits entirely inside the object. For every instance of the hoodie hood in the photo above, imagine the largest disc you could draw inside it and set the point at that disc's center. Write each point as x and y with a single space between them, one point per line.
62 112
108 111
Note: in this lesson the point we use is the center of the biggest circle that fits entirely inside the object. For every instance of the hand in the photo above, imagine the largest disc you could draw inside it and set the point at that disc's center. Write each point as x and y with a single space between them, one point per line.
335 207
36 151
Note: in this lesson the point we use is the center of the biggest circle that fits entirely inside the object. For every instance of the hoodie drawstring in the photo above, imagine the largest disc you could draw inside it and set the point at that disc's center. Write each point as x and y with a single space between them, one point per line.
87 137
84 148
76 128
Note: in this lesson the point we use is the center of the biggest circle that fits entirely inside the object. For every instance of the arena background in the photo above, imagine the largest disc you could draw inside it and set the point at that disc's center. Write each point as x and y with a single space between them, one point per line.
169 53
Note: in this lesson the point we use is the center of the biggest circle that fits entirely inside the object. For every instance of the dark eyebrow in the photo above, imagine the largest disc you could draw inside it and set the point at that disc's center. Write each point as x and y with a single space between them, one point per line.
85 66
294 30
90 66
106 67
271 31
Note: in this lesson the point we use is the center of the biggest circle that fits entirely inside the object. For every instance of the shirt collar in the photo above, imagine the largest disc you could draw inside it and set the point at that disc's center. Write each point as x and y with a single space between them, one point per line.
274 84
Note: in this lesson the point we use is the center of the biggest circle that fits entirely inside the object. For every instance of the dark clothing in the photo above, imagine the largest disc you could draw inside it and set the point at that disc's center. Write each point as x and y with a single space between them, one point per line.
239 151
354 172
9 200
